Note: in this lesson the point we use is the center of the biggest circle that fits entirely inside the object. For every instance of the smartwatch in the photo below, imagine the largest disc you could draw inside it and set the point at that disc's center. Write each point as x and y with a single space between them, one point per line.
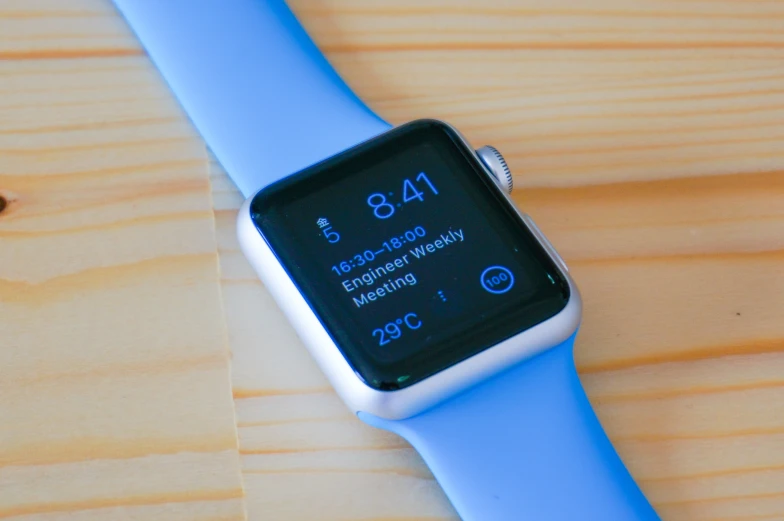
436 309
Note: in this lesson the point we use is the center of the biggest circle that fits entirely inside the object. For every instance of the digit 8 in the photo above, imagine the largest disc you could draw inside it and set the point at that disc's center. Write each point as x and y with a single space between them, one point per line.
378 208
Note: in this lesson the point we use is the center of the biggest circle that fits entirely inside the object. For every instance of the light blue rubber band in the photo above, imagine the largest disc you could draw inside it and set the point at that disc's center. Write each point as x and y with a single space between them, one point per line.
525 445
254 84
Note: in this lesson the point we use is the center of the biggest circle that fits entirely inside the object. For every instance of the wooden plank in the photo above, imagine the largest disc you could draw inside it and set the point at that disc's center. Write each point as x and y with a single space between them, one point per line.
645 138
115 398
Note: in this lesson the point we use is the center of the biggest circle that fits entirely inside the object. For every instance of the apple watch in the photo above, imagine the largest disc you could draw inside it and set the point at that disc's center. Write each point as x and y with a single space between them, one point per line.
436 309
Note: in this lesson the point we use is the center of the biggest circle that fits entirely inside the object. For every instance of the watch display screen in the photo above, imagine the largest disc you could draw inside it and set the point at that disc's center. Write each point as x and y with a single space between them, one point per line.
409 255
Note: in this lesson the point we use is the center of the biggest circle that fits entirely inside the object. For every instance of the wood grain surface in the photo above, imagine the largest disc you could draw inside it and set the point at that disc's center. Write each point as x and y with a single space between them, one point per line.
646 139
115 391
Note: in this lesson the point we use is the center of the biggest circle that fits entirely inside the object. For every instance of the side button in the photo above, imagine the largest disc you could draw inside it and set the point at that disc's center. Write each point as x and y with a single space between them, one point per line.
544 241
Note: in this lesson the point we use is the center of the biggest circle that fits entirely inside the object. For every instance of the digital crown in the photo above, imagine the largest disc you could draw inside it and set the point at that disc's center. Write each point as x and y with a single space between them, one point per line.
495 162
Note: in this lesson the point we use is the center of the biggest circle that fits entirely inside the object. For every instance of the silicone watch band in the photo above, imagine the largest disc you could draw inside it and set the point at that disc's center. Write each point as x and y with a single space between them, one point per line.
254 84
525 445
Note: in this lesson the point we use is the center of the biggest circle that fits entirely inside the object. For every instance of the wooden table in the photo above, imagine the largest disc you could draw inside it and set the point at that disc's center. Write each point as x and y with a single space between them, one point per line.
646 139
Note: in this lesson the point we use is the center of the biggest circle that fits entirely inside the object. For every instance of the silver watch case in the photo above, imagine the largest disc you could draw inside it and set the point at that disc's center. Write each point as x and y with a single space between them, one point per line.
412 400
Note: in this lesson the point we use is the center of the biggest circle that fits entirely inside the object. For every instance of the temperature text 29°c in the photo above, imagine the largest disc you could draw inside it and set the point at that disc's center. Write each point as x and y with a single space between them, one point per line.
395 329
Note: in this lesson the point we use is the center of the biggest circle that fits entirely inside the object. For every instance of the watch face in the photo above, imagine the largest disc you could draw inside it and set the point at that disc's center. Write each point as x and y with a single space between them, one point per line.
409 255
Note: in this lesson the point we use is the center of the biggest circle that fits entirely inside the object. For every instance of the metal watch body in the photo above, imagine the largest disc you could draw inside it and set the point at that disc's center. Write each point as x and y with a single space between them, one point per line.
408 401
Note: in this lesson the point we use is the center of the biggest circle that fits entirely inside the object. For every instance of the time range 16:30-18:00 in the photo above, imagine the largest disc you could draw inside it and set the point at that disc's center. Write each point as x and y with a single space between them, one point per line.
391 244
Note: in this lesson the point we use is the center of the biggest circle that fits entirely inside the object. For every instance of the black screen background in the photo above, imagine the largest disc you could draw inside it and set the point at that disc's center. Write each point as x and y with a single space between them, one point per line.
459 317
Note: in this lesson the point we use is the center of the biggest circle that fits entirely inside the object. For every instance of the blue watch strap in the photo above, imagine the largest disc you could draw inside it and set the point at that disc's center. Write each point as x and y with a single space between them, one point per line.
257 88
525 445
